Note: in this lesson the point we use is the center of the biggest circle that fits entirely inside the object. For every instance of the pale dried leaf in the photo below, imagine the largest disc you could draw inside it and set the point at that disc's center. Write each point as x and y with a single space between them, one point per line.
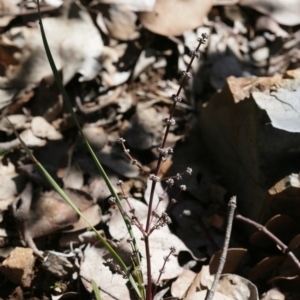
173 17
282 107
285 12
273 294
202 294
237 287
119 21
117 227
9 181
75 44
96 136
93 267
142 5
181 284
160 241
18 121
41 128
30 139
6 96
159 192
203 280
73 178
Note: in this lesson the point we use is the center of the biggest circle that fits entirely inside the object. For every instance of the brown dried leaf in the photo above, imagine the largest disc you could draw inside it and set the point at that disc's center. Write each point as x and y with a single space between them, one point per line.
50 212
233 259
265 266
295 242
284 196
283 227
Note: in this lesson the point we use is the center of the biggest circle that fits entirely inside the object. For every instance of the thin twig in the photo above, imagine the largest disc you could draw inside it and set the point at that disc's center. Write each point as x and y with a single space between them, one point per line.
232 206
284 248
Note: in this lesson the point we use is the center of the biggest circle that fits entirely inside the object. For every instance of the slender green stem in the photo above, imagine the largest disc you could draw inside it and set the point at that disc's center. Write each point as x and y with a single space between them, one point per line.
96 161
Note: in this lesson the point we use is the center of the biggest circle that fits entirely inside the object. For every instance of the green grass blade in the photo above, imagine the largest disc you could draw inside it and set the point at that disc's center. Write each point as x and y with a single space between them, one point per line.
96 290
61 192
94 157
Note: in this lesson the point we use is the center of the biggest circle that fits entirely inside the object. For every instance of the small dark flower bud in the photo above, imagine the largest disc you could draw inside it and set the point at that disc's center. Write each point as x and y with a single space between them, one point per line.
195 53
112 200
178 176
172 249
189 171
187 74
170 121
176 98
154 178
121 140
183 187
170 182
